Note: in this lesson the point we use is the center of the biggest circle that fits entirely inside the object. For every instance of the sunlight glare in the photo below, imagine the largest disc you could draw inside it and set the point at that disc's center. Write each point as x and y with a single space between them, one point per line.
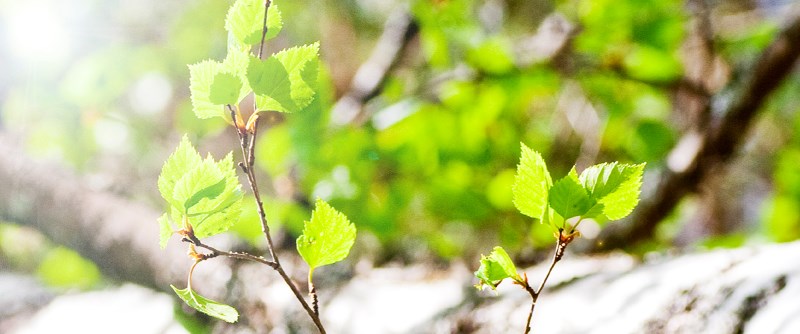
37 34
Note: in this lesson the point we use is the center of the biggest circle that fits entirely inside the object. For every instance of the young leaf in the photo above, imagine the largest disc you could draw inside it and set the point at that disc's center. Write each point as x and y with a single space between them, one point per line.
531 184
270 78
327 237
619 203
569 199
216 214
297 74
603 179
495 268
209 192
204 176
225 89
201 76
236 62
245 21
185 158
207 306
165 230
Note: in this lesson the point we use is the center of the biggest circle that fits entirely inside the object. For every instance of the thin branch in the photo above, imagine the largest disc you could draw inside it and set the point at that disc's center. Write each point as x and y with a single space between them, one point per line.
264 30
399 31
192 239
561 246
300 298
312 292
246 142
718 144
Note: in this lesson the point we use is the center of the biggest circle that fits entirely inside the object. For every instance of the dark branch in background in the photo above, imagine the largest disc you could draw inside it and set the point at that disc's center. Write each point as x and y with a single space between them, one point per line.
718 144
119 235
400 29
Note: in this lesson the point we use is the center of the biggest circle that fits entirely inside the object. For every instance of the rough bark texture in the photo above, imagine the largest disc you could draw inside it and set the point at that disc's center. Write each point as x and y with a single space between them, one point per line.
718 144
119 235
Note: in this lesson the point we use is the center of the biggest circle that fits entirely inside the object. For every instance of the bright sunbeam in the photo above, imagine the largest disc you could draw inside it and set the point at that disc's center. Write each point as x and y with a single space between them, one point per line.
36 33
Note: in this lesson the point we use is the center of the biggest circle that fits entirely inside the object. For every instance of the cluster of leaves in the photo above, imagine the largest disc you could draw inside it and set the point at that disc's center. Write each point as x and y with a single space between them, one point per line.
284 81
603 192
204 195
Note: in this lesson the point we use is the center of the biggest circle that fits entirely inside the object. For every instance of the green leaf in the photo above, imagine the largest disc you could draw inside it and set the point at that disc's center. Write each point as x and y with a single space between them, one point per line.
165 230
201 76
207 306
327 237
203 192
217 214
196 180
236 62
245 20
225 89
495 268
531 184
619 203
210 92
286 81
209 192
603 179
184 158
569 199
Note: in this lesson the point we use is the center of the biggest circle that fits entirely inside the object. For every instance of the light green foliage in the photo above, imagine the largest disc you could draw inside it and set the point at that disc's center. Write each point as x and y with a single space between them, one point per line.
531 184
569 199
245 21
201 192
165 230
327 237
286 81
201 77
214 84
620 201
650 64
207 306
225 89
608 190
65 268
495 268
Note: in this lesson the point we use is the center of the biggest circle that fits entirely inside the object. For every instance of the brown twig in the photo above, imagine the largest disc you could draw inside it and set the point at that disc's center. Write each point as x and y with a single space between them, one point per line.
561 246
312 292
264 30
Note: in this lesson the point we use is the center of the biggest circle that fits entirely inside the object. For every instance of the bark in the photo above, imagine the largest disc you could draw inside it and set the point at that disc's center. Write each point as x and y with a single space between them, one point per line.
119 235
718 144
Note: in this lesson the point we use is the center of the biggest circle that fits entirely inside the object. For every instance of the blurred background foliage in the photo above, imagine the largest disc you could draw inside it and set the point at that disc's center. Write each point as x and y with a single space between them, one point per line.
426 172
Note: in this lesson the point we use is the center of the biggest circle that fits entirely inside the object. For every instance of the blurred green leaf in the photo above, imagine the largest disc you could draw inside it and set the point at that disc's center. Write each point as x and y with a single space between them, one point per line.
63 267
166 229
650 64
